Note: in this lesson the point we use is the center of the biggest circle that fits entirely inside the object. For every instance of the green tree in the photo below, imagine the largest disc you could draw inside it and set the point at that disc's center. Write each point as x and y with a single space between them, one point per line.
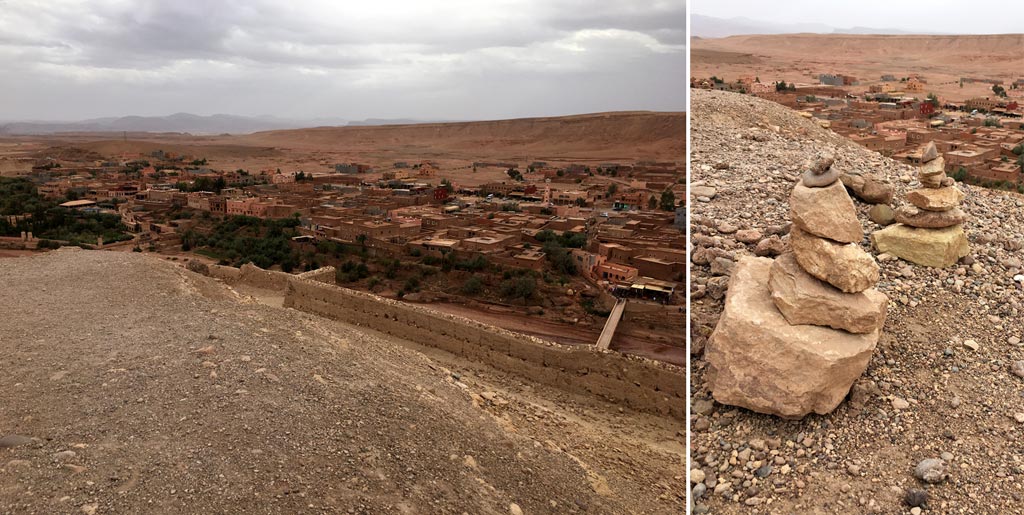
652 203
522 287
668 201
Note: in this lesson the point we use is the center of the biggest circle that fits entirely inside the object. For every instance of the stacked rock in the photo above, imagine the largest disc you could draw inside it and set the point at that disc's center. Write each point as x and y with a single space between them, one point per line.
796 332
930 231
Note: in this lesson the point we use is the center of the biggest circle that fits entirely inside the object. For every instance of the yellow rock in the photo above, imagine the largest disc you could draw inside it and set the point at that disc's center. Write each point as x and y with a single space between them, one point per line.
937 248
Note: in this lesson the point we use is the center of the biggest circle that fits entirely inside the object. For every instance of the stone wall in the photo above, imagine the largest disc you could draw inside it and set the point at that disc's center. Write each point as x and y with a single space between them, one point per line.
640 384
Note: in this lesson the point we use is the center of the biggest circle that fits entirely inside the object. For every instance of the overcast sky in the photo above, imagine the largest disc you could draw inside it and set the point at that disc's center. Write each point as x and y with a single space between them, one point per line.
473 59
932 17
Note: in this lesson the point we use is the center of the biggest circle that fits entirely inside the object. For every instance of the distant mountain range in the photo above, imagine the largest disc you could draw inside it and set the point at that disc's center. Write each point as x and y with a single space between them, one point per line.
711 27
396 121
188 123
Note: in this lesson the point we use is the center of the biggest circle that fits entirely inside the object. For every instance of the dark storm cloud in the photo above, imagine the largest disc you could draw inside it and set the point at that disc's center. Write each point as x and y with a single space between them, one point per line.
353 60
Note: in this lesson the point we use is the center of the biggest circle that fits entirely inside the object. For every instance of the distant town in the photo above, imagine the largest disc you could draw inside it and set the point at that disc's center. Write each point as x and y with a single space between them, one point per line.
980 138
562 241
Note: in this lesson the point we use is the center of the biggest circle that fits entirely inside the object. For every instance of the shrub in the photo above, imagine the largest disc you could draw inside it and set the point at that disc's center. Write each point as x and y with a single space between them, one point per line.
522 287
472 286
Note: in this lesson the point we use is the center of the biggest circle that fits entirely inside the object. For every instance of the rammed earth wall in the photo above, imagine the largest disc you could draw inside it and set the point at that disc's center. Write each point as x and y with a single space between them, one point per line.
641 384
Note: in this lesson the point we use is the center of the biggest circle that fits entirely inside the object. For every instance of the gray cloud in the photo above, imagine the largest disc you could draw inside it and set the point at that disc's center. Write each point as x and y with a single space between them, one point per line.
463 59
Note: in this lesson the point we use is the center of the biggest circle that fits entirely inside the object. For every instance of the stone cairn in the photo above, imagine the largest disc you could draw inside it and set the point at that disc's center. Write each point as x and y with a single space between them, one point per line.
930 231
797 331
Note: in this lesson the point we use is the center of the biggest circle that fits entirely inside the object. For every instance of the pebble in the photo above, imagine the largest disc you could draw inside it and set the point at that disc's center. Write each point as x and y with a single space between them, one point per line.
696 476
1017 368
14 441
699 490
900 403
915 497
915 510
514 509
931 470
971 344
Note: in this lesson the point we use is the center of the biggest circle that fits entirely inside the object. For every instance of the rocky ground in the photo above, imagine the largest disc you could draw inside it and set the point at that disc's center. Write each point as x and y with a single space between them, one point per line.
131 385
946 381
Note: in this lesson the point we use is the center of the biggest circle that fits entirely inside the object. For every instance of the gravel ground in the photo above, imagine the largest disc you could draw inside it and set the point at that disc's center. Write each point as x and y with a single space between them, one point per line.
941 383
133 386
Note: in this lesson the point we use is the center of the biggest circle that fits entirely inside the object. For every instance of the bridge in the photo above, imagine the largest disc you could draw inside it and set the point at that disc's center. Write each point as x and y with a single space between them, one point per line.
605 340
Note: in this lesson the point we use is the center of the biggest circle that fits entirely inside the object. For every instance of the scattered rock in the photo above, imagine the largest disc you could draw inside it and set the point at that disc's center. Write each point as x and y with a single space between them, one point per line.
770 246
748 235
1017 368
696 475
868 188
931 470
703 191
881 214
14 441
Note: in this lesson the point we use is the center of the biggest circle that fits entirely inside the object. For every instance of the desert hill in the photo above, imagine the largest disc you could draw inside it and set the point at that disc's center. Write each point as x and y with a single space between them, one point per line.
652 135
947 375
592 138
132 385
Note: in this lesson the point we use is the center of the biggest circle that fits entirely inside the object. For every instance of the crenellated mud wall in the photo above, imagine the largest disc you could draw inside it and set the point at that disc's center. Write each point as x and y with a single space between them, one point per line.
640 384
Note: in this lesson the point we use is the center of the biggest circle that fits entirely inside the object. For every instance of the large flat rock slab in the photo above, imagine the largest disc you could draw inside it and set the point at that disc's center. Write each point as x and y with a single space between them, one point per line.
804 299
760 362
936 248
936 199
